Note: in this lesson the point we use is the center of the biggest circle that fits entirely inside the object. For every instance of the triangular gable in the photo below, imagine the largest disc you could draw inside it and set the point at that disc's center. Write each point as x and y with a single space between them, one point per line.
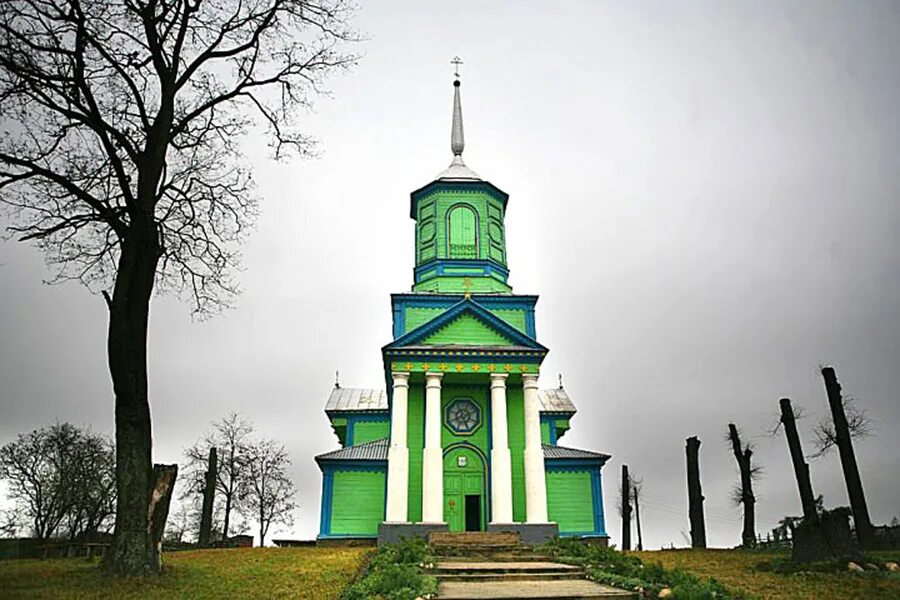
466 323
468 330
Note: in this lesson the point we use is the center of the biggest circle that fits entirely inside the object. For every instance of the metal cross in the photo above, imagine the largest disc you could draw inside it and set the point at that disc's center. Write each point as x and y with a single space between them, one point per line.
456 62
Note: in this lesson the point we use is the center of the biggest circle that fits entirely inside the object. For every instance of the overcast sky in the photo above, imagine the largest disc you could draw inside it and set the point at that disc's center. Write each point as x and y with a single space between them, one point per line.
706 196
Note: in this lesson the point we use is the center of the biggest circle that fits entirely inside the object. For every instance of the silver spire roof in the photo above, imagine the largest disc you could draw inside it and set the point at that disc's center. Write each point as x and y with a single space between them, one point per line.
457 171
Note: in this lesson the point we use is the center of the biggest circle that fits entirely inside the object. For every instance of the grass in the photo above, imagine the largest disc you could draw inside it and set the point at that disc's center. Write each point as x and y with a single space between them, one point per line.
739 569
320 573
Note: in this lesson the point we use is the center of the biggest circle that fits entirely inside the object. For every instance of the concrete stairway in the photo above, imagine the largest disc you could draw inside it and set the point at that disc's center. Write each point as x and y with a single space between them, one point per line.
497 565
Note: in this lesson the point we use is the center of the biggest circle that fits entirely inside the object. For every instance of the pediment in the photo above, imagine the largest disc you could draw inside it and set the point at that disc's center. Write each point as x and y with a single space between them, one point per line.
469 324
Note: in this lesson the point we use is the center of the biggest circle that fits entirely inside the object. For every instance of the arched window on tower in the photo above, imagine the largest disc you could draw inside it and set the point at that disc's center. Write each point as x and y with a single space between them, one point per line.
463 226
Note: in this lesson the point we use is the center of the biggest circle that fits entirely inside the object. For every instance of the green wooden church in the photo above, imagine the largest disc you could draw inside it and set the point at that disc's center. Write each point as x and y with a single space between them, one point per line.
462 438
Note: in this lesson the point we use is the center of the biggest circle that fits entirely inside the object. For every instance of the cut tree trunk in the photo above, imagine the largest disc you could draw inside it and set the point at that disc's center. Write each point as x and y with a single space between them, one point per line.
132 550
801 468
637 519
743 457
695 494
209 496
626 510
164 477
861 521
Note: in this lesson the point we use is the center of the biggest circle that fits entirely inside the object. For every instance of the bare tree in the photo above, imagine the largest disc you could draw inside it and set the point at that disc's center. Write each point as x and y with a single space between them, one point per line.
743 494
269 493
120 159
231 437
60 479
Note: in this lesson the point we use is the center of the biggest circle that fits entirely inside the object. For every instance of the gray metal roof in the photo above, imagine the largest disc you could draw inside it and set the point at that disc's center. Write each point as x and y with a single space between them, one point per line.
362 399
356 399
556 400
551 452
378 450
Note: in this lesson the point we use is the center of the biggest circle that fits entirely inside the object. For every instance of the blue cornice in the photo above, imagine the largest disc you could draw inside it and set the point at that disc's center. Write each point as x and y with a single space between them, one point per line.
487 267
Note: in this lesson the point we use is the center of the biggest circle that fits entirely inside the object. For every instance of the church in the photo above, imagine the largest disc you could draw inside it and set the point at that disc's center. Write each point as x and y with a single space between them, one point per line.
462 437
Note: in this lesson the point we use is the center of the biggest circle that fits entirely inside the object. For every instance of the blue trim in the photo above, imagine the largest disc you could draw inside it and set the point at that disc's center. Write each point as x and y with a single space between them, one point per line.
552 422
327 493
353 419
466 305
328 470
593 467
437 267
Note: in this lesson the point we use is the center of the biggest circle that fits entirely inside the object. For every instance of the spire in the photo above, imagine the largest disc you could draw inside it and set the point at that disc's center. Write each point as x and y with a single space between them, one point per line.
457 139
457 169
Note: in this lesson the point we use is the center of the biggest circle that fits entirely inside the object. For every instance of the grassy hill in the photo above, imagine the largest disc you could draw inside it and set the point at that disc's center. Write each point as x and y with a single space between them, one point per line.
748 571
232 573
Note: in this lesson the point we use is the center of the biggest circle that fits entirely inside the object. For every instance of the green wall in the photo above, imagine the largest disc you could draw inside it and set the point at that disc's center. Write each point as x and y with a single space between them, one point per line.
367 431
433 237
570 500
357 502
545 432
515 422
417 316
467 330
415 441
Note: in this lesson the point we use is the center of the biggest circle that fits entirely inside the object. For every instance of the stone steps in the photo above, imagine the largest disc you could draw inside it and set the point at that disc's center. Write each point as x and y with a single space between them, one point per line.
543 576
497 565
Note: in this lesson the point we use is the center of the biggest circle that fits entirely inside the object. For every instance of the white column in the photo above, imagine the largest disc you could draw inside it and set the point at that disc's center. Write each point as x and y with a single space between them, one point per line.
398 453
535 477
433 457
501 469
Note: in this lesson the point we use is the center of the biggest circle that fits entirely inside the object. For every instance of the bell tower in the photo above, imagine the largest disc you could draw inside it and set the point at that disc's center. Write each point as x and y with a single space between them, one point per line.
460 232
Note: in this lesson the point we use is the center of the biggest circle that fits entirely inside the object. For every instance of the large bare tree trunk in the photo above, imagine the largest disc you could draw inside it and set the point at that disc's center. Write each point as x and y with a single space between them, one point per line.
132 551
801 468
626 509
209 496
695 494
863 524
743 456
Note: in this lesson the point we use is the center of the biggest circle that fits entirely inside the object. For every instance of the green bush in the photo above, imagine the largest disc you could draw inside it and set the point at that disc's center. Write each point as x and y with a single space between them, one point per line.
394 573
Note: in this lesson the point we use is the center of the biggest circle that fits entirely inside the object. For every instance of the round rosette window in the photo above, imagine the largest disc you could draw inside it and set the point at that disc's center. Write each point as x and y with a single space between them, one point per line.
463 416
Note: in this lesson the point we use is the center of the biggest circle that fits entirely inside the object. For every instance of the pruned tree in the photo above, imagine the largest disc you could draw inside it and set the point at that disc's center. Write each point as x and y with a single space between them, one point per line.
269 493
625 508
209 498
637 486
120 160
60 480
845 424
695 493
743 493
231 436
788 419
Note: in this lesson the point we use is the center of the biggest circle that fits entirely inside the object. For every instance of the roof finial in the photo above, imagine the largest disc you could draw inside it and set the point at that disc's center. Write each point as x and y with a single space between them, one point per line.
560 381
337 380
457 142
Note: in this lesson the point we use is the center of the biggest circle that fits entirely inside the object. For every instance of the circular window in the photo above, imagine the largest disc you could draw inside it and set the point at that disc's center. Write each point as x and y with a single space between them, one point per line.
463 416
